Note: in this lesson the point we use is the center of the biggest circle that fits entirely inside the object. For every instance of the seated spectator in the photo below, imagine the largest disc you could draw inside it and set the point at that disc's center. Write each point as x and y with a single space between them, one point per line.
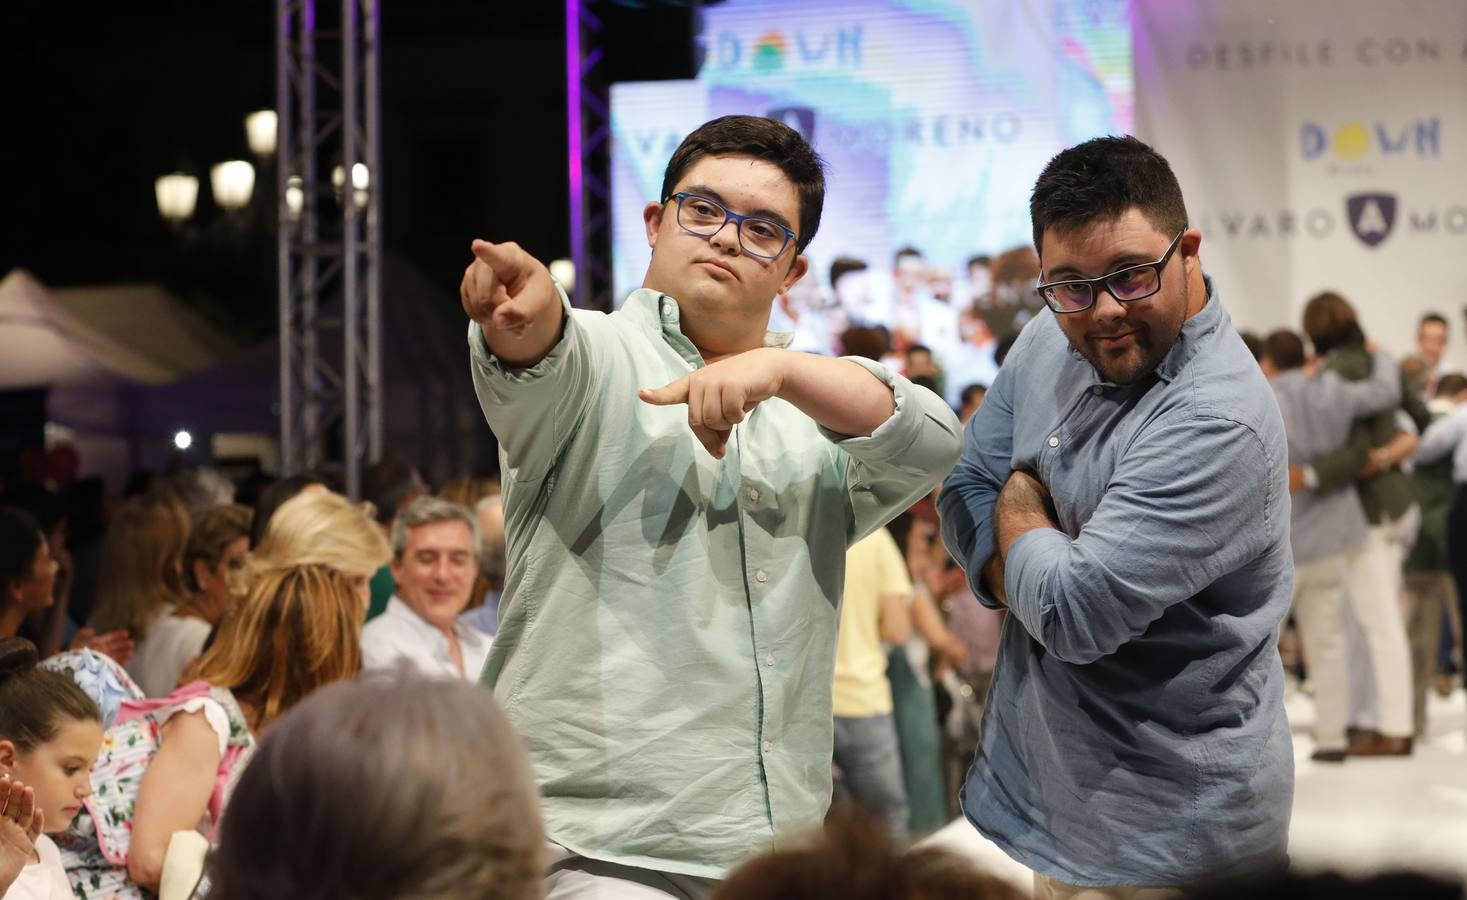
469 489
50 733
27 571
141 578
46 627
213 560
493 563
28 585
170 764
389 486
382 789
274 497
435 559
319 527
854 858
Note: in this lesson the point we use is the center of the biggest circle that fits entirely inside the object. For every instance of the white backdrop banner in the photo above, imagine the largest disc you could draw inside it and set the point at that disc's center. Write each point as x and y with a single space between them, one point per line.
1321 144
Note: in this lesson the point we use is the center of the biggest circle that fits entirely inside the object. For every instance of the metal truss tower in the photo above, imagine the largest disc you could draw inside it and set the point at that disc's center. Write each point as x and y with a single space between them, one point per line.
588 110
329 239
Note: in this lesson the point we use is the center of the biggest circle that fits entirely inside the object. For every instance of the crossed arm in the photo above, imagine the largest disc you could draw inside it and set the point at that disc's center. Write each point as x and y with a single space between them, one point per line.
1171 521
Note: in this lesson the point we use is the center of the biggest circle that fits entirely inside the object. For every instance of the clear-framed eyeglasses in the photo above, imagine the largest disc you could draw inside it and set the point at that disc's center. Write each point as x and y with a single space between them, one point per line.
758 236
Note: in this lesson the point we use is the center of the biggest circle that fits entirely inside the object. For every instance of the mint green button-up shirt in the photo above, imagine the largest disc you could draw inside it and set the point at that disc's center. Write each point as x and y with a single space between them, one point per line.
667 629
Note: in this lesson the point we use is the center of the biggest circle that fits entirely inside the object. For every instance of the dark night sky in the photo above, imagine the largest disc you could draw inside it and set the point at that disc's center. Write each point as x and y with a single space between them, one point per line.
103 98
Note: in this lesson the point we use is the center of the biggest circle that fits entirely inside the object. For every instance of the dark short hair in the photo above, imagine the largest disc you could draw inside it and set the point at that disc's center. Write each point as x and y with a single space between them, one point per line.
919 348
766 139
1002 348
35 701
20 538
1430 318
1330 322
1101 179
271 499
390 484
970 392
1285 349
904 252
864 341
927 381
843 265
1451 384
1254 343
982 259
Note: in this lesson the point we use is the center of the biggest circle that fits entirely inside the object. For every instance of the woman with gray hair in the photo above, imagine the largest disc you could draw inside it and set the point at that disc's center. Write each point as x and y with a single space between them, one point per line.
385 788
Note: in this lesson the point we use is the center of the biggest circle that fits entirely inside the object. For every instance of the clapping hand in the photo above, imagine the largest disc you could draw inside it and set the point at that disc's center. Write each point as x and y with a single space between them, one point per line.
20 826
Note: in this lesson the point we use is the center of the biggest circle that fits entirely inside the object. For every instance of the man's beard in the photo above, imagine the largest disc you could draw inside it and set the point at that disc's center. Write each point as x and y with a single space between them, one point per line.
1145 352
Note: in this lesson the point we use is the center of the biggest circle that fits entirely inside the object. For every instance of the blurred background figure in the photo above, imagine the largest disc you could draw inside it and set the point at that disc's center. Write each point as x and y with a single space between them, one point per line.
386 788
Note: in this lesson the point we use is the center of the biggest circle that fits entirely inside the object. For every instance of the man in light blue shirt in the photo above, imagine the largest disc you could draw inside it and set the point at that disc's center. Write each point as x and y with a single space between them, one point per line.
1123 491
679 494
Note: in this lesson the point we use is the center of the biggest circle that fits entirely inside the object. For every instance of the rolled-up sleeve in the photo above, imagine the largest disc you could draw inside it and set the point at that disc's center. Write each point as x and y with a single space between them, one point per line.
1188 503
904 458
533 410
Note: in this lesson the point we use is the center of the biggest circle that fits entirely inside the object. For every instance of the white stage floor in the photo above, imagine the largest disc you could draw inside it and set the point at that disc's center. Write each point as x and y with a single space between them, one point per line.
1364 815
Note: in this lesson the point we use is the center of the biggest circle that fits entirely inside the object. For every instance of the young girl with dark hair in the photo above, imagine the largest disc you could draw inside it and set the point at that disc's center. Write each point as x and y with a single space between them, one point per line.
50 734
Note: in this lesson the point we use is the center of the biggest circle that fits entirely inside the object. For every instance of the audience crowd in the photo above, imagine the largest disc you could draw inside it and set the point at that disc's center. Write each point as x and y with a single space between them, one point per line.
226 642
270 691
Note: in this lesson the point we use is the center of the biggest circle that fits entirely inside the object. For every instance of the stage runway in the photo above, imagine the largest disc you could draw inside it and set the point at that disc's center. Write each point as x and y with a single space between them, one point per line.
1365 815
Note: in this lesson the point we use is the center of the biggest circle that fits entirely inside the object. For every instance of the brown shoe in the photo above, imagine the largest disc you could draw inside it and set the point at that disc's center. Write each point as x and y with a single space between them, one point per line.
1373 743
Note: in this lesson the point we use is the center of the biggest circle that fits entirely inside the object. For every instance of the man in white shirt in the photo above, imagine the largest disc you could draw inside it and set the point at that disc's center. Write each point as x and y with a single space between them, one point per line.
435 559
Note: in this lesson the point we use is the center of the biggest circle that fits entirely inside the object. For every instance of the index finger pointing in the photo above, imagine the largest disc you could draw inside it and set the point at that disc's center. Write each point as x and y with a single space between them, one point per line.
667 395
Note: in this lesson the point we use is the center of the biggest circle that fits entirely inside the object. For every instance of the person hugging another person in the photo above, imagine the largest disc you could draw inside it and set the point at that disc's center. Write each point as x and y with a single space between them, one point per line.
50 734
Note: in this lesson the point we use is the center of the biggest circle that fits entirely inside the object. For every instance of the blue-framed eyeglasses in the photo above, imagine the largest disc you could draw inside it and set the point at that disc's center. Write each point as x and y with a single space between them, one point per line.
1128 284
758 236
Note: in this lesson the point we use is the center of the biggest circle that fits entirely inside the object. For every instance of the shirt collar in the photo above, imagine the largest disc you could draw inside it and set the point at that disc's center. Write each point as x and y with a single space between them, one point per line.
398 609
660 311
1194 334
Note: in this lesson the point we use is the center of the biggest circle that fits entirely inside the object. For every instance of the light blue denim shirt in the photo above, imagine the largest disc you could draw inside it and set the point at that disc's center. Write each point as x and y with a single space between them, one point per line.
668 625
1135 730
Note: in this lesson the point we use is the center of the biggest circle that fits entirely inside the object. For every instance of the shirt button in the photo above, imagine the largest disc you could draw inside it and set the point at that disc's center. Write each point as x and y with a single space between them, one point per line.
1097 390
1053 441
761 576
768 745
754 495
769 659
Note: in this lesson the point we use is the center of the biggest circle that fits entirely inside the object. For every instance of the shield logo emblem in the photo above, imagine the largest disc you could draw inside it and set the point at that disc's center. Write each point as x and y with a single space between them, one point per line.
1372 216
800 118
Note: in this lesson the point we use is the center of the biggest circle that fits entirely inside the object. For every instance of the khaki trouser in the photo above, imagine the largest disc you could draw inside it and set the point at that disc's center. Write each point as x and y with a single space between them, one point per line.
1319 608
1430 595
1378 652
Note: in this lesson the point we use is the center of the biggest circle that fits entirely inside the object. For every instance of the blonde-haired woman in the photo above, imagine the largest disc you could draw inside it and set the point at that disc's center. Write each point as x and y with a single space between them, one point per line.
324 528
170 765
141 574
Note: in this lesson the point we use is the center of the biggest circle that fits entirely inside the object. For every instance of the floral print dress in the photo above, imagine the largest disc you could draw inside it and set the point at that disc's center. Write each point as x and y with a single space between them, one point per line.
94 848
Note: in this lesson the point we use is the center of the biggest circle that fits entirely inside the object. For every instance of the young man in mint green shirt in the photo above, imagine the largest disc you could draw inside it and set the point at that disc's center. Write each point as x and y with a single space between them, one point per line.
679 493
